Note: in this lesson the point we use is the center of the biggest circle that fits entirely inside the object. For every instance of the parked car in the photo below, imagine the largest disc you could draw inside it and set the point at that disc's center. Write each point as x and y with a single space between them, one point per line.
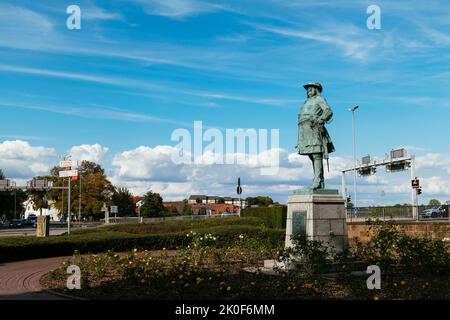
31 221
434 212
17 223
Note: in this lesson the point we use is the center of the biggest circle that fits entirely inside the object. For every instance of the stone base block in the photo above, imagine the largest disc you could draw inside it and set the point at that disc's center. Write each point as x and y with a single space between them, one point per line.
43 226
318 216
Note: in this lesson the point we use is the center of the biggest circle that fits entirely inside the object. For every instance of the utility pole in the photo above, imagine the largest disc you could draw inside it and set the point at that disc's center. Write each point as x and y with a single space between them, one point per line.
354 154
69 216
239 192
15 203
415 211
79 201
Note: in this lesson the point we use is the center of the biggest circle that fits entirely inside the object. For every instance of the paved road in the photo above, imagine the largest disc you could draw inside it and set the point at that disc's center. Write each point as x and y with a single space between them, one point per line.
20 280
28 232
54 230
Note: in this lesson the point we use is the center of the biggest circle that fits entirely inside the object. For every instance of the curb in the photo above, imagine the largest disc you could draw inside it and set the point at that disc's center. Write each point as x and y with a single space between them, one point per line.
63 295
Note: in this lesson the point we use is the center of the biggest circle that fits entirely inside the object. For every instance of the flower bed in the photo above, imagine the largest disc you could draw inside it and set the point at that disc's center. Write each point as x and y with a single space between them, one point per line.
213 267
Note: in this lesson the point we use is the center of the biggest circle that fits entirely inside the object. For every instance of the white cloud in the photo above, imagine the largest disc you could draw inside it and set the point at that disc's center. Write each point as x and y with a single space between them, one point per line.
151 168
146 168
146 163
94 152
433 162
436 185
18 159
178 8
97 13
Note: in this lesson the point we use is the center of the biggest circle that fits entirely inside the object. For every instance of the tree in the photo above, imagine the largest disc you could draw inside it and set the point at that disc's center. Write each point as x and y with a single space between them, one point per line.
96 189
153 205
221 201
9 209
434 202
4 199
171 211
260 201
124 200
198 200
39 198
187 209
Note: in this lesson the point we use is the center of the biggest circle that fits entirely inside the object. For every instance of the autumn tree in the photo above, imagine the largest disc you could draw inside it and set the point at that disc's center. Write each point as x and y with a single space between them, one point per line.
96 189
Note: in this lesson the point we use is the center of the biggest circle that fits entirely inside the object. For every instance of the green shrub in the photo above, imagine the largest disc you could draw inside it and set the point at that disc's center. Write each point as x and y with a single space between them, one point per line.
273 217
309 257
20 248
392 248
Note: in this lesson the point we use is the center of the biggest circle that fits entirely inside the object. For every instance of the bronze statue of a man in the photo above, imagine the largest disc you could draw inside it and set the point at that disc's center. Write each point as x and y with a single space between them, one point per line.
313 137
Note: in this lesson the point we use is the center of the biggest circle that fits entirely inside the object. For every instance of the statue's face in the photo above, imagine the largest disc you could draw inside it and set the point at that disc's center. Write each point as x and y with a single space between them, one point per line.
311 91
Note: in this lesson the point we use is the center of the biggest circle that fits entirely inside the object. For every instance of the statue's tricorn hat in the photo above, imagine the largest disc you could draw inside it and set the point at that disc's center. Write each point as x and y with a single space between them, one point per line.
313 84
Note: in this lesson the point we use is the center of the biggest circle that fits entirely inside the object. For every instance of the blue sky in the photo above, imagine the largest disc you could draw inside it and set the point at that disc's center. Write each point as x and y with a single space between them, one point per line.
139 69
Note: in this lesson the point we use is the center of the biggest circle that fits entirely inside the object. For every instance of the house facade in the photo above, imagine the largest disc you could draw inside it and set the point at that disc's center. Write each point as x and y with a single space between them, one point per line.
205 199
51 211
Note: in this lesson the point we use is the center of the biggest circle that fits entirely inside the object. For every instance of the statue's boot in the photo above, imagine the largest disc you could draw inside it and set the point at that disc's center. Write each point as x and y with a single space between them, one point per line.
318 182
311 157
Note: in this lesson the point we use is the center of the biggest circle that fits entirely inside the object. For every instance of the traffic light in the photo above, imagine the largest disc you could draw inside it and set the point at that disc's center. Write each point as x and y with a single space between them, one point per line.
419 190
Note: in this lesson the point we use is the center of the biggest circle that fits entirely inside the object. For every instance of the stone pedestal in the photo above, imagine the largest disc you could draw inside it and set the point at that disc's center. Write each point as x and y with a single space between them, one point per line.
320 214
43 226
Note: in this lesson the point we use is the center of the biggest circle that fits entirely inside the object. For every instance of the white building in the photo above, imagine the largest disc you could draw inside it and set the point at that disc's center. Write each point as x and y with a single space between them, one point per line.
51 211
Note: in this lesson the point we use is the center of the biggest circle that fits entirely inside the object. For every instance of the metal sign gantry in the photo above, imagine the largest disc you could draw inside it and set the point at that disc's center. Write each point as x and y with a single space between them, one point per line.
398 160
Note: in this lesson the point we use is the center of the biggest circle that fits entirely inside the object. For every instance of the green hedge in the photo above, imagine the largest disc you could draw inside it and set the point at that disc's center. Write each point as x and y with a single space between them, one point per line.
22 248
273 217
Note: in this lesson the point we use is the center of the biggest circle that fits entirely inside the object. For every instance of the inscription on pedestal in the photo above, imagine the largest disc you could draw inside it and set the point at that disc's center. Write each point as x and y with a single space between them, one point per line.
298 223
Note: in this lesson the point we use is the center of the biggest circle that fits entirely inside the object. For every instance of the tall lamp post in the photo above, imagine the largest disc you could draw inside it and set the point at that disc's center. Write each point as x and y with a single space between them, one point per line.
352 110
79 201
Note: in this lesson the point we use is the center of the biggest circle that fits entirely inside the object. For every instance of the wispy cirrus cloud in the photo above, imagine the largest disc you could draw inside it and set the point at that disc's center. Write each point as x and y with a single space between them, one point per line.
90 112
352 44
111 80
23 28
93 12
179 8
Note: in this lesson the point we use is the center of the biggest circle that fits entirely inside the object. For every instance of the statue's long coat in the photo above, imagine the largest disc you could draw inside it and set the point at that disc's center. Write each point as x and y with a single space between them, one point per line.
314 138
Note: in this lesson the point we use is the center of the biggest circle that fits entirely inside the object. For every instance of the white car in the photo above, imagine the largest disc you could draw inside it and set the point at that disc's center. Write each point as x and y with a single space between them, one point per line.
434 212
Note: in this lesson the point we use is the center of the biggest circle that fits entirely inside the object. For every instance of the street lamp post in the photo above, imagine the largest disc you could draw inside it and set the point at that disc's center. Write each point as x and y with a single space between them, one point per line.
352 110
79 203
69 215
15 203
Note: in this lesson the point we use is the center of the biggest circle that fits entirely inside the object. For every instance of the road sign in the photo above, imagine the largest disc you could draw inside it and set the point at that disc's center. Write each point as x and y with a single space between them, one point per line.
68 163
239 188
415 183
66 174
114 209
